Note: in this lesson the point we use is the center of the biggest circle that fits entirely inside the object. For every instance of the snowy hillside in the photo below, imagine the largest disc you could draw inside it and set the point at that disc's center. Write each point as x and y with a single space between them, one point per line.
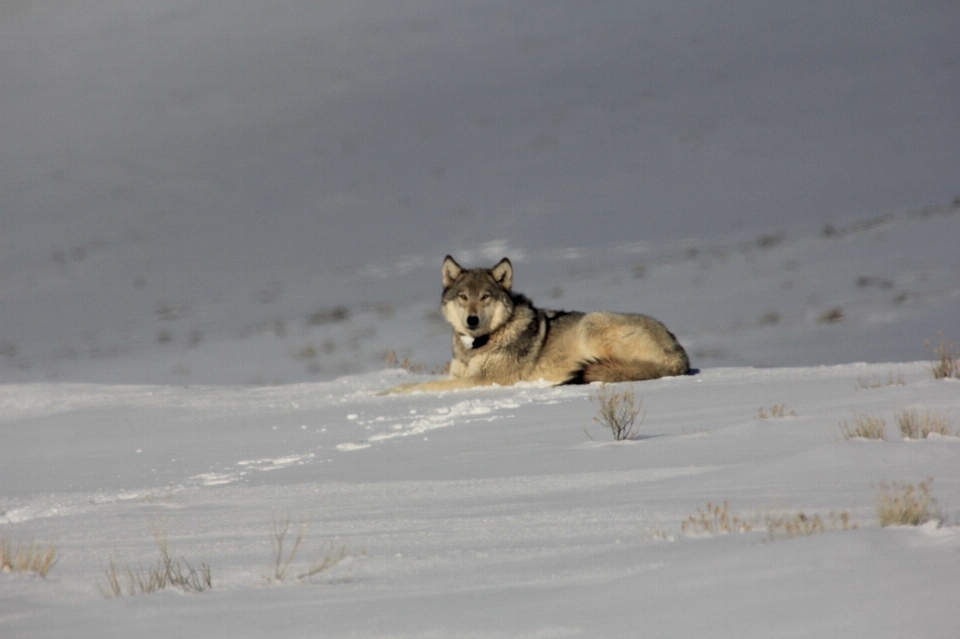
875 290
193 176
502 512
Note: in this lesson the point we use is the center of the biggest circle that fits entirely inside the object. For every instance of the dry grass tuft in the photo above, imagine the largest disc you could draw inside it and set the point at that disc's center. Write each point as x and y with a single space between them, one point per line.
906 504
717 519
282 560
876 381
35 558
122 579
769 319
864 427
281 564
800 524
947 362
305 353
618 411
916 425
714 520
777 410
329 316
333 556
657 532
831 316
392 360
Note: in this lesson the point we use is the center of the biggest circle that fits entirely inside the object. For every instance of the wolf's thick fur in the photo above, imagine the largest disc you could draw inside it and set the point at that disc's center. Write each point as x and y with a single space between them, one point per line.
500 337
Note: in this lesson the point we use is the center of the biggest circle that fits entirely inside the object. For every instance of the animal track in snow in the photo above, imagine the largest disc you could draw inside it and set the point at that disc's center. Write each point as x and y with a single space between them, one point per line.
464 412
247 465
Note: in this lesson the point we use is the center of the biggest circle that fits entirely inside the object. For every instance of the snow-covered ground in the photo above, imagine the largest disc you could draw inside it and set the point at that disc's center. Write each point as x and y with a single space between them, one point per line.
218 219
500 512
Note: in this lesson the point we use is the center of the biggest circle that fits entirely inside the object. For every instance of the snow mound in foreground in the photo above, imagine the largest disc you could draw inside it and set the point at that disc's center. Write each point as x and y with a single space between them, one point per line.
486 513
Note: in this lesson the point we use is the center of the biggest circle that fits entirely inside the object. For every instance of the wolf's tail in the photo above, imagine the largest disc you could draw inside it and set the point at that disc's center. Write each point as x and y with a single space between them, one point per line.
612 370
617 370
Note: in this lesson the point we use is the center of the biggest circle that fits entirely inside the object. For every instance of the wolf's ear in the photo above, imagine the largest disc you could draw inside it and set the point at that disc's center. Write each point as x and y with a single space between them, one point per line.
503 273
450 270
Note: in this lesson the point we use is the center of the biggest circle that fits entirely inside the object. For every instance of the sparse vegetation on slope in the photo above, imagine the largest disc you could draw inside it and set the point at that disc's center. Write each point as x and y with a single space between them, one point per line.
282 560
918 425
947 362
714 519
33 557
392 360
801 524
777 410
863 427
121 579
906 504
876 381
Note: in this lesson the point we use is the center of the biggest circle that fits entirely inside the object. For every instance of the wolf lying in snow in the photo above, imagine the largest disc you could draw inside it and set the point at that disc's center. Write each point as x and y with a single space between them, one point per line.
500 337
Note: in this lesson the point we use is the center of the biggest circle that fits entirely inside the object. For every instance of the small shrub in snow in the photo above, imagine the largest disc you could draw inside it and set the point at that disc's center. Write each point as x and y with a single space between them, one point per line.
391 359
305 353
916 425
333 556
864 427
329 316
713 520
878 382
281 563
658 532
947 362
800 524
906 504
618 411
35 558
777 410
717 519
283 559
769 319
831 316
168 572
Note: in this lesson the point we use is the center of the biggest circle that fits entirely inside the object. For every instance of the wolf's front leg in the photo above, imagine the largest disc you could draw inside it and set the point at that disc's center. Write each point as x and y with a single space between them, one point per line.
450 383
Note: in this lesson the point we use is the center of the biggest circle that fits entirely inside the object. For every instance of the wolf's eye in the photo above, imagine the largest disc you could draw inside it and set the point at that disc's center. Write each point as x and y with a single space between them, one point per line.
485 297
462 297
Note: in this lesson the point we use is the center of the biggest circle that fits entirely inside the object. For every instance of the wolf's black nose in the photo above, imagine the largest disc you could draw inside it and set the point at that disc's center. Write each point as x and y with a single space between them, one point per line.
473 321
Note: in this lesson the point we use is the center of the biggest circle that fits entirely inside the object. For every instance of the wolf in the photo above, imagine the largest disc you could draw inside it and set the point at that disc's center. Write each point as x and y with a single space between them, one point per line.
500 337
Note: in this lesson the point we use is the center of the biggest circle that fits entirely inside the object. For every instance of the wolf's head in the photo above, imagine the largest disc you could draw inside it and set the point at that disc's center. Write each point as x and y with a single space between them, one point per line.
476 301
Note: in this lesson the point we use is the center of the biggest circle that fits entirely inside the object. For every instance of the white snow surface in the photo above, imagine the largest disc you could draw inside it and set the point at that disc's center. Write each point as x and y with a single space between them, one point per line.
497 512
218 221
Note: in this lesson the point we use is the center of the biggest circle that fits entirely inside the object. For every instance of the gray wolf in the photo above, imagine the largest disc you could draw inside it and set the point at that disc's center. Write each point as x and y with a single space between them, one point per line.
500 337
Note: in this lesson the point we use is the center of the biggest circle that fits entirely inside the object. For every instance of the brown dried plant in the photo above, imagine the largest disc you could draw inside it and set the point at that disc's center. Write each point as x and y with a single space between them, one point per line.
32 557
906 504
863 427
916 425
618 411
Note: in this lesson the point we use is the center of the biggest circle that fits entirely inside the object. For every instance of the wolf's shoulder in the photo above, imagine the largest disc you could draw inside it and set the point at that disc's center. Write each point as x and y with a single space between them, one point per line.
554 315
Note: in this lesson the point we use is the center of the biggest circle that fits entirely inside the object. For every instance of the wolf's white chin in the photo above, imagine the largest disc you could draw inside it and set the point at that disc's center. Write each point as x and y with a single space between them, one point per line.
467 341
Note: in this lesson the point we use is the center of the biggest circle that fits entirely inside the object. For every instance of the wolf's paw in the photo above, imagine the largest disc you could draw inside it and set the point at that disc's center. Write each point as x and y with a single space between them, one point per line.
402 388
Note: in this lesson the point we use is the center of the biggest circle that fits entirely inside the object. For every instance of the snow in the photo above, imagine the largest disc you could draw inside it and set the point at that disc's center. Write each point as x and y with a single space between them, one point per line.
491 512
219 222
